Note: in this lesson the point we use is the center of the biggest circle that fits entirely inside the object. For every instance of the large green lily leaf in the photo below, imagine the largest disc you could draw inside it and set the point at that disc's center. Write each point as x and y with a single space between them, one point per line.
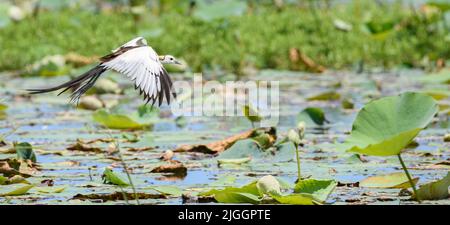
319 189
386 126
435 190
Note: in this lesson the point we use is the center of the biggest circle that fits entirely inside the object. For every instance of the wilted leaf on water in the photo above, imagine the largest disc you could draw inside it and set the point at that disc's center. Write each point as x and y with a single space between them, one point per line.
435 190
117 121
25 151
52 189
319 189
118 196
386 126
80 146
268 185
168 190
312 115
14 189
393 180
325 96
222 145
16 179
11 167
234 161
109 177
171 167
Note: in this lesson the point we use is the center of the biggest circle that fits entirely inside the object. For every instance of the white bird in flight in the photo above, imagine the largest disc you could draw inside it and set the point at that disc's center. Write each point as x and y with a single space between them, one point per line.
137 61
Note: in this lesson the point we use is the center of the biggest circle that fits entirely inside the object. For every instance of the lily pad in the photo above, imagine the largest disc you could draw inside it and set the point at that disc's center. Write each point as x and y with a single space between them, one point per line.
168 190
234 161
319 189
386 126
14 189
440 77
393 180
435 190
50 189
117 121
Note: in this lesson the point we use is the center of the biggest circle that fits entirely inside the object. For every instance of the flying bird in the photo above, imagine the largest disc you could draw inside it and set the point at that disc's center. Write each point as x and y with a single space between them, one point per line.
136 60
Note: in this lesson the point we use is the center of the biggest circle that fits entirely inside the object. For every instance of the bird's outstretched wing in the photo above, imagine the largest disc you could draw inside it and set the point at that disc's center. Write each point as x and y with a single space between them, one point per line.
141 64
136 60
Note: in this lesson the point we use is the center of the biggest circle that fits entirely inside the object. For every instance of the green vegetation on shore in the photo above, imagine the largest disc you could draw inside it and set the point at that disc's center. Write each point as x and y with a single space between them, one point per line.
339 37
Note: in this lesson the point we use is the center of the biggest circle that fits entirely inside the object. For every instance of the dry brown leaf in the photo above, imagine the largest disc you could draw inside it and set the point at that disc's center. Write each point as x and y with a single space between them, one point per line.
84 147
118 196
131 149
222 145
172 167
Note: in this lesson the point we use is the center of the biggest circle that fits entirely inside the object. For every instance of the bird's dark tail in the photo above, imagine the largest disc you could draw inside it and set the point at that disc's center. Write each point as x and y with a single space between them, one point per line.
80 84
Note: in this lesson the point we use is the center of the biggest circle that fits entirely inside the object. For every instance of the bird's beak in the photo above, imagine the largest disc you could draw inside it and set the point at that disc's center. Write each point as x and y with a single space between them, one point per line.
177 62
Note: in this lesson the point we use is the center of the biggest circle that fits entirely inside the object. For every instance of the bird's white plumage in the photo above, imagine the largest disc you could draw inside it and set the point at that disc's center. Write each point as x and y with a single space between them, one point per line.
142 65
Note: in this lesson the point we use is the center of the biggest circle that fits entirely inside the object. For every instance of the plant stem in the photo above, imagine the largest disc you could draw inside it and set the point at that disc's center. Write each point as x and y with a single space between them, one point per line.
125 167
298 162
409 178
128 174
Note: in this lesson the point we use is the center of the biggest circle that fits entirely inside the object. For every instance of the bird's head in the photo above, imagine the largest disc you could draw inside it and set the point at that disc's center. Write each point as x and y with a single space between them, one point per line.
168 59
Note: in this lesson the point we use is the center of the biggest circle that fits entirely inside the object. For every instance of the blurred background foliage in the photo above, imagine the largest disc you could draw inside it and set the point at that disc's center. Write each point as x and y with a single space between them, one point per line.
232 35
